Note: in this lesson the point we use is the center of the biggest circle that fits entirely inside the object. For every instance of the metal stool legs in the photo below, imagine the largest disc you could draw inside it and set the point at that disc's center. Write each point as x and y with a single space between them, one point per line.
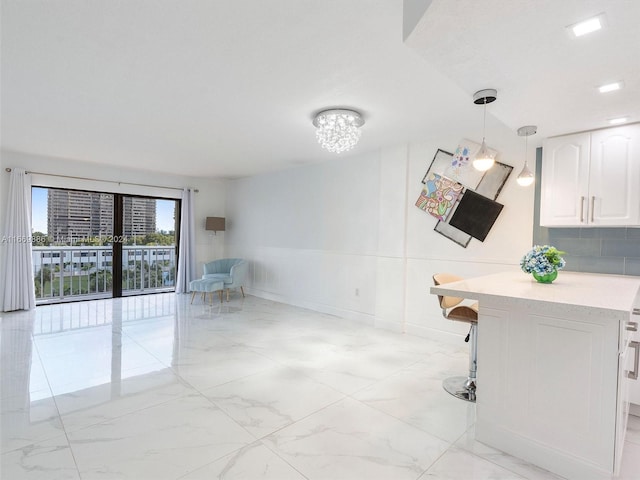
465 387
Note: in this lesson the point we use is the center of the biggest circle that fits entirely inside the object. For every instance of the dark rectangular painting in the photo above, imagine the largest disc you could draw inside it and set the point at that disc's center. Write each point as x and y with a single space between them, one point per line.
475 214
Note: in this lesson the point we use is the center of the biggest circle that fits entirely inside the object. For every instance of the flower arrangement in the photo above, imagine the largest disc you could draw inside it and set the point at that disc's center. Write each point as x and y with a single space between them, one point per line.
542 260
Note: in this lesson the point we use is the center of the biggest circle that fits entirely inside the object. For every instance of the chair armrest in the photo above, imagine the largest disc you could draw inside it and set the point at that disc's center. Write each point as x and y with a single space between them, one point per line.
238 271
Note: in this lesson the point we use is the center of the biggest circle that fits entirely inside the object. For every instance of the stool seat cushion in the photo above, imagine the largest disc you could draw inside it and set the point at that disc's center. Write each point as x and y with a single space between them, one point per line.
206 285
222 277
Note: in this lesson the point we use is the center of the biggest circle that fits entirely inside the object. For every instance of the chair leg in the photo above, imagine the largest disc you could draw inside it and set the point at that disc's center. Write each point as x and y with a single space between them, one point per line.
228 294
220 295
242 290
193 294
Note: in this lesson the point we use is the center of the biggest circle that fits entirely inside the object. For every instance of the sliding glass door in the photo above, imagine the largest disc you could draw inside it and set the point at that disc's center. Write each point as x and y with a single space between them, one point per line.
149 248
89 245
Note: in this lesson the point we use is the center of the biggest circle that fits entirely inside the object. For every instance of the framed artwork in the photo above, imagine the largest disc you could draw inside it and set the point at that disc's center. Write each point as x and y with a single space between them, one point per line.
490 186
494 179
439 196
457 166
453 234
475 214
441 161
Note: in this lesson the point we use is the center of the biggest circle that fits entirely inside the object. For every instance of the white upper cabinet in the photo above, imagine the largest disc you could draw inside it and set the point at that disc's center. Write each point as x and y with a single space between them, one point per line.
591 179
565 180
614 181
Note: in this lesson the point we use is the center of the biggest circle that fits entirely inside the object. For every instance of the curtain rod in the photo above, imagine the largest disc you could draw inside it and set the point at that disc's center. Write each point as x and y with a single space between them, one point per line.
107 181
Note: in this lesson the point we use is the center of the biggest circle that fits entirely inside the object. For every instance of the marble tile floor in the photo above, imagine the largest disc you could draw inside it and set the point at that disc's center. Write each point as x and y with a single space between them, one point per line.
155 388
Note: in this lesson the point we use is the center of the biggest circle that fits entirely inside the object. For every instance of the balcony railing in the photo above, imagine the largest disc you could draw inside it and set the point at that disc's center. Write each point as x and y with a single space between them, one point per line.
85 272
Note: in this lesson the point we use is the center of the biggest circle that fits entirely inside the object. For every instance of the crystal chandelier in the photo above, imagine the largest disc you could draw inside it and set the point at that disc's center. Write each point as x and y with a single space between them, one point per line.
338 130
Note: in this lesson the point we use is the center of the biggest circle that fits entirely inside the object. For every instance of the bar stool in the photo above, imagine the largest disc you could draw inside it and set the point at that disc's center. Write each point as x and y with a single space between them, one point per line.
461 387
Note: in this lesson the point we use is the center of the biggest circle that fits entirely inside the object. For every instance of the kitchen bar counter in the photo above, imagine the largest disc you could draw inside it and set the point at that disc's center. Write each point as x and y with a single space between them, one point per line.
551 382
580 290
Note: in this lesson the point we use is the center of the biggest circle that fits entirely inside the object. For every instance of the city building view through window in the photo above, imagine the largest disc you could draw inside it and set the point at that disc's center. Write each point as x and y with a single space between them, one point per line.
89 245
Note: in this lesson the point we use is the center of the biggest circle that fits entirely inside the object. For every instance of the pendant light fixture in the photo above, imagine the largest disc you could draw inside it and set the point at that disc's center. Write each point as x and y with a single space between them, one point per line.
526 176
484 160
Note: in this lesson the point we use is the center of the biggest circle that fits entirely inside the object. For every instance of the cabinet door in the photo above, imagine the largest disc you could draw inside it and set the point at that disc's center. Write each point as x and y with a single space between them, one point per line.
622 409
633 362
632 370
614 184
565 181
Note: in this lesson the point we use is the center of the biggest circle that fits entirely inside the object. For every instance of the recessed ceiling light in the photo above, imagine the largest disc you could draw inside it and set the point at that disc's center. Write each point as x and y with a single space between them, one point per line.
618 121
610 87
587 26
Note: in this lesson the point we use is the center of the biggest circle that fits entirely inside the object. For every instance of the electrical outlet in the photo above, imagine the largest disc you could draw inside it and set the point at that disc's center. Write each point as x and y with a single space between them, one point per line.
357 292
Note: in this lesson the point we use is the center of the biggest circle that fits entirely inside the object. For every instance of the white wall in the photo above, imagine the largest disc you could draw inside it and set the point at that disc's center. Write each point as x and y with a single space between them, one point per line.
210 200
345 237
341 237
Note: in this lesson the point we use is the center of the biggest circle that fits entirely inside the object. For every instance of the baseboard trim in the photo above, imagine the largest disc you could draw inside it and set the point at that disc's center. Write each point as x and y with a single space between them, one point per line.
359 317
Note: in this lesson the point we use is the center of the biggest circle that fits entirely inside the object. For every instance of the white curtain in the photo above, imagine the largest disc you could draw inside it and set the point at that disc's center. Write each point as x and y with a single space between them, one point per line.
17 271
187 251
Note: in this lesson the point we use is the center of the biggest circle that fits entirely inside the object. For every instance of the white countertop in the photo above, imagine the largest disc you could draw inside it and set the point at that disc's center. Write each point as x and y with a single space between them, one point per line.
609 292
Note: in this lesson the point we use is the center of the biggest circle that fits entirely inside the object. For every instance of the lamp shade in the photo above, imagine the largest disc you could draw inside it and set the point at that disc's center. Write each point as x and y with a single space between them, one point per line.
526 176
215 224
484 160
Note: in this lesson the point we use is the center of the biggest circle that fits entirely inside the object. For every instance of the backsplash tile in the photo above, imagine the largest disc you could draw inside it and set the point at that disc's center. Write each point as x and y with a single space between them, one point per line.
590 247
633 234
632 266
620 248
602 265
574 264
619 233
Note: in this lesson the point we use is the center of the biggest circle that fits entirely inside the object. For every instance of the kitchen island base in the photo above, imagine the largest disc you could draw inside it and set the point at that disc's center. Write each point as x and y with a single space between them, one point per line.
551 378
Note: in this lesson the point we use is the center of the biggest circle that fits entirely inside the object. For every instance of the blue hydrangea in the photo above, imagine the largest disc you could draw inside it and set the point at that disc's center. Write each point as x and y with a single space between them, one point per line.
542 259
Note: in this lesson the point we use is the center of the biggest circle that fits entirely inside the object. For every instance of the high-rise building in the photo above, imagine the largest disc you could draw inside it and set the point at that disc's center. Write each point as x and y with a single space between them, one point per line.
139 216
76 214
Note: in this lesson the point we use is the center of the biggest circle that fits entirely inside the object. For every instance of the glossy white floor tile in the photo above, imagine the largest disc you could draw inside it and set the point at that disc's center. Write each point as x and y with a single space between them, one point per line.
165 441
415 395
152 388
252 461
267 401
352 440
51 459
458 464
468 443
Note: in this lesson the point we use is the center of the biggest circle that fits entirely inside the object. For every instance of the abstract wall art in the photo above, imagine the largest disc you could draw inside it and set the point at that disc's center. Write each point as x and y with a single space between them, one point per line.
494 179
490 186
439 195
453 234
440 164
475 215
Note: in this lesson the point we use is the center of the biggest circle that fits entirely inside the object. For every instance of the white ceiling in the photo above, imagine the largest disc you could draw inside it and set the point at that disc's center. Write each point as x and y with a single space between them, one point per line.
227 88
543 75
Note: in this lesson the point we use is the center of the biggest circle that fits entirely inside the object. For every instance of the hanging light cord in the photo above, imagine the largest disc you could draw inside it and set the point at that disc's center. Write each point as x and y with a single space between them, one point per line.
526 141
484 120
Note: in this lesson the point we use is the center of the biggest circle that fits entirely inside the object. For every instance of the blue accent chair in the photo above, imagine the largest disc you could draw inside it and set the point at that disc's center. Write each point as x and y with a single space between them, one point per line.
231 271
